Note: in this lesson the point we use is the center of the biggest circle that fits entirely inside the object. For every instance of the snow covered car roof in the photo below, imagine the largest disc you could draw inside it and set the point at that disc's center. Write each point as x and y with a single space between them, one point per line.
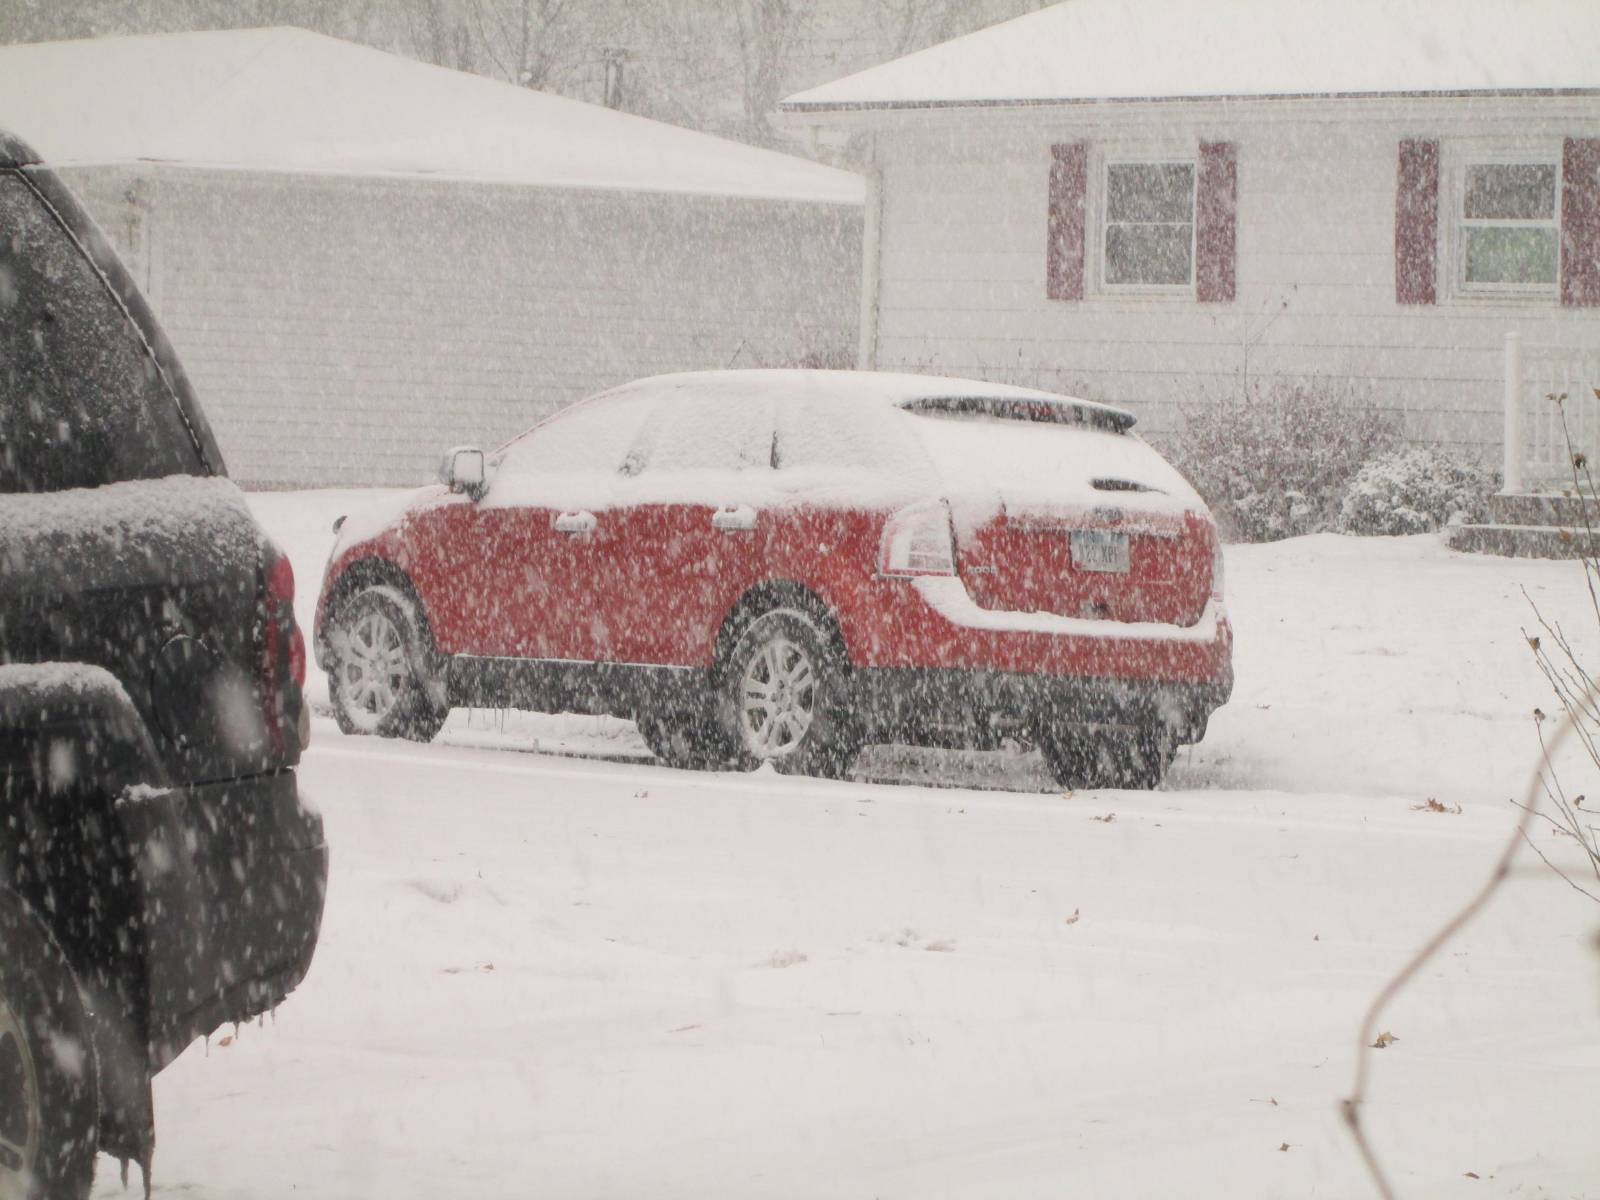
898 390
833 438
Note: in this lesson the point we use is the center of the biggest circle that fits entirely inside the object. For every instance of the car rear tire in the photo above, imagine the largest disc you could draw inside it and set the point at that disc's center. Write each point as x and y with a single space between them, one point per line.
1083 758
689 741
785 698
48 1097
382 678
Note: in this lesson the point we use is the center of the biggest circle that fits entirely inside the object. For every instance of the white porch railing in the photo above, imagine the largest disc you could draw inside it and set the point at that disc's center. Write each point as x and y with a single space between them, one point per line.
1542 382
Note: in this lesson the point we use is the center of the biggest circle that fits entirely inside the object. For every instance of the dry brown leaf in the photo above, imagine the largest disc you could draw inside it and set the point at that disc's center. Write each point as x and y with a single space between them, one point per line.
1432 805
1285 1146
1073 919
1107 819
1471 1175
1385 1039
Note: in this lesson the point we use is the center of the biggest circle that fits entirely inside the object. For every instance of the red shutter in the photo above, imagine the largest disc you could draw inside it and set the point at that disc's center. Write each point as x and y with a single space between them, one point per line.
1416 222
1580 222
1069 180
1216 196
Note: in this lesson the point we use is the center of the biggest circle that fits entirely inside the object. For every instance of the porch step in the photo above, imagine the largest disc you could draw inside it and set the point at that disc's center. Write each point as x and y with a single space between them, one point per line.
1565 511
1523 541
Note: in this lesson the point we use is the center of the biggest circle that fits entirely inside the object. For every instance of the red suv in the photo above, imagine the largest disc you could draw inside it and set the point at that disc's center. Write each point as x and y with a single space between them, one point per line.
785 565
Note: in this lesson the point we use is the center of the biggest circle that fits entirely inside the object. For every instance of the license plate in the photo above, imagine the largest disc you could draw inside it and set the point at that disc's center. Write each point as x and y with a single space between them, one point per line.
1100 550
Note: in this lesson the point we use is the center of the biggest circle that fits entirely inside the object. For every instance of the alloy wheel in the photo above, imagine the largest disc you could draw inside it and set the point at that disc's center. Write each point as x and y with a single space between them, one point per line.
777 699
372 668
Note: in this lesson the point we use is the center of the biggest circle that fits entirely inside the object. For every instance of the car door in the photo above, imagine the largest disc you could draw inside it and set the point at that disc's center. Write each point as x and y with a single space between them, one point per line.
543 526
687 533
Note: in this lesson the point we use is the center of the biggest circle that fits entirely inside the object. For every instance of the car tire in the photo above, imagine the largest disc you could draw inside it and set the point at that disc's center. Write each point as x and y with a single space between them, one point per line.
785 698
1083 758
685 740
48 1093
383 680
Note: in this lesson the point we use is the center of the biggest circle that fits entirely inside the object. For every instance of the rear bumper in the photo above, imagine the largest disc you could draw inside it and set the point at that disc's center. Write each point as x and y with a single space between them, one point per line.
974 668
975 708
234 878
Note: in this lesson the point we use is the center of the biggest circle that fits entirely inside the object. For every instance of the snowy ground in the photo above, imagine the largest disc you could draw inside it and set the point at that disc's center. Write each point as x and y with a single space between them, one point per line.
548 973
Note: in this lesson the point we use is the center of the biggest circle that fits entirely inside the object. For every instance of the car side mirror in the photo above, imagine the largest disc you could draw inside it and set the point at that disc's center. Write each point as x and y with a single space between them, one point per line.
463 470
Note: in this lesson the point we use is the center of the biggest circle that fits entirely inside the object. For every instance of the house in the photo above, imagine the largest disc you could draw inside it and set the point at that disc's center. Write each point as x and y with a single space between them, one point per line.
1156 202
363 260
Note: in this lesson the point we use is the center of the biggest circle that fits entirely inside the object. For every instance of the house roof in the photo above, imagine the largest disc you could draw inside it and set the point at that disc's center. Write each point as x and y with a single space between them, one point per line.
1088 50
291 100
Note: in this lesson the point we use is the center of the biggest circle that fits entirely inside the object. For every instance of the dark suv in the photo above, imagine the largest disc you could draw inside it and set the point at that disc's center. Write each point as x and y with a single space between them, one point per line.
159 875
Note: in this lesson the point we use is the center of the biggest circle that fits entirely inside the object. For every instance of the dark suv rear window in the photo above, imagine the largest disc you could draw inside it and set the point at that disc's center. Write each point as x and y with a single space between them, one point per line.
82 402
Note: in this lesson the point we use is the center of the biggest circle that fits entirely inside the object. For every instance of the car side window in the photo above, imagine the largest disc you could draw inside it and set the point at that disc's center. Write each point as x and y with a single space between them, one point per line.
82 402
690 431
592 437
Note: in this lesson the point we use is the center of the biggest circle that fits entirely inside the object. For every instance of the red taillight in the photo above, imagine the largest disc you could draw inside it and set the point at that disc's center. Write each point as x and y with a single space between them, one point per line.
280 579
917 541
297 657
283 646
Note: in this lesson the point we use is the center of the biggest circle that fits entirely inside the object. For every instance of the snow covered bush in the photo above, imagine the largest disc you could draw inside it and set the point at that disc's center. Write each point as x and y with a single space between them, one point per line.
1414 490
1274 461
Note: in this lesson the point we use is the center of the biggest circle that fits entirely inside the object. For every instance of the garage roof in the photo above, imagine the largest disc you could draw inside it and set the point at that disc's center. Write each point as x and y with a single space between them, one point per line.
291 100
1085 50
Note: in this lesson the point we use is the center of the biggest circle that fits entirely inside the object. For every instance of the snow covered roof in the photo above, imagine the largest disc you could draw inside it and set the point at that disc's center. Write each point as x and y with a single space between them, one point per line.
1084 50
895 389
291 100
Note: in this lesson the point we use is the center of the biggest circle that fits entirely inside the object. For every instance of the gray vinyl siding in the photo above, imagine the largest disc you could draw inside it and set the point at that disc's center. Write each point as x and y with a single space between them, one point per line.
345 331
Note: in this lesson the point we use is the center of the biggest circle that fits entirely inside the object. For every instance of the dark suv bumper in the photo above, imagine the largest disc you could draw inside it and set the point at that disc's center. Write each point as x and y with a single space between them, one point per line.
234 877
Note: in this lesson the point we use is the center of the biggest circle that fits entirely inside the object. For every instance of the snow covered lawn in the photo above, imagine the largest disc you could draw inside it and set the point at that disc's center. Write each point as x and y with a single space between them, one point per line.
548 975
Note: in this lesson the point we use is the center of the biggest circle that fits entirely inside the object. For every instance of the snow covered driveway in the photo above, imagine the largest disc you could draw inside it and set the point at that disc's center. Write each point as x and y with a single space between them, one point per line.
566 977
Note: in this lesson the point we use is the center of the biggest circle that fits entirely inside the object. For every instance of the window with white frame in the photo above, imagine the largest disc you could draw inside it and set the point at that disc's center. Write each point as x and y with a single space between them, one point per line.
1149 224
1510 231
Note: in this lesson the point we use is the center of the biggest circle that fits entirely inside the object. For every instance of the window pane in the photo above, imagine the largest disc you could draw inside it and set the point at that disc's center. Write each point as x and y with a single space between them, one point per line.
591 438
1148 254
81 401
1511 255
1511 192
713 432
1150 192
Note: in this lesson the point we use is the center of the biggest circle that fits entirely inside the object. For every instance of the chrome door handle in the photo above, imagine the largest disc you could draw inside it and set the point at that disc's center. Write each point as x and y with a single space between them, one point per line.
575 522
733 519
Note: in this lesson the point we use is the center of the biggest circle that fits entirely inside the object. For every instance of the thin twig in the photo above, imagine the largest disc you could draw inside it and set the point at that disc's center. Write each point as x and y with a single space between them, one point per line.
1351 1107
1570 883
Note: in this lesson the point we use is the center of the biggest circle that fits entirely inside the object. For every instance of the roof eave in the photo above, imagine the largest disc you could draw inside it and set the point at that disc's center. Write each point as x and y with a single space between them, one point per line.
802 110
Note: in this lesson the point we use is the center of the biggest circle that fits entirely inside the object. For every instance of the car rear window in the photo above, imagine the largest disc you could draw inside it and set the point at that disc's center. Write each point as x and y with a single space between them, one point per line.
1039 411
82 402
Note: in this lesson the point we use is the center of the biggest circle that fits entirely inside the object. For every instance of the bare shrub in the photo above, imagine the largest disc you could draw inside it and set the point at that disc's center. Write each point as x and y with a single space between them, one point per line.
1274 461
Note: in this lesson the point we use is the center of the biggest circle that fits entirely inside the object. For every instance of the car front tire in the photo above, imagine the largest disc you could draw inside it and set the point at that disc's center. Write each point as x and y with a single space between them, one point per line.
785 698
381 674
48 1097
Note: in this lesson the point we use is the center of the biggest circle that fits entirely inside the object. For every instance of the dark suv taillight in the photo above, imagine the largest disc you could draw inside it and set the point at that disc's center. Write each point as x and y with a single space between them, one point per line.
283 654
